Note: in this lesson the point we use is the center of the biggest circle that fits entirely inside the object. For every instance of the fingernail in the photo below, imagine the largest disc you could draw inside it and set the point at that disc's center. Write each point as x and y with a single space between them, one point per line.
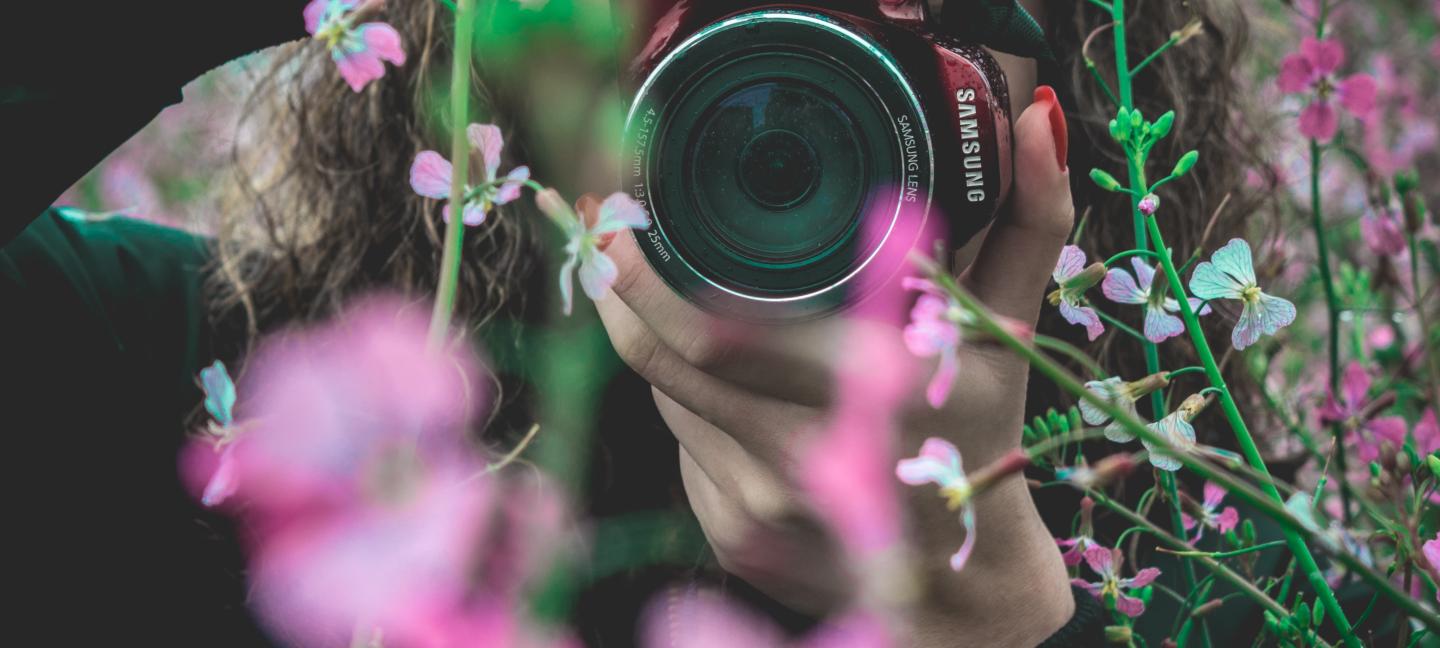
1058 129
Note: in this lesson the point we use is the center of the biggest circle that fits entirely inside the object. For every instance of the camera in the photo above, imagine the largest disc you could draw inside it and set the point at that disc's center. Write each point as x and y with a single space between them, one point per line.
779 146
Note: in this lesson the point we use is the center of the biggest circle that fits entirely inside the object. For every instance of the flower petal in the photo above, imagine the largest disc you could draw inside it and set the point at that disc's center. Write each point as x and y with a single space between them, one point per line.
1227 519
383 42
597 273
1121 288
488 140
620 212
1142 578
431 174
315 14
514 182
1325 56
219 392
1071 262
1319 121
1129 605
938 463
1296 74
1083 316
1101 560
567 286
1213 495
1357 94
474 213
967 518
1105 389
359 68
939 388
1161 326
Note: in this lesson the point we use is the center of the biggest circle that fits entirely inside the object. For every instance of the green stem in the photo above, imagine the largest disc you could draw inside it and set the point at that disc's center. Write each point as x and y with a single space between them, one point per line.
1237 423
1332 309
1228 554
1180 372
1155 54
1135 168
460 159
1110 319
1419 305
1068 350
1129 253
1265 503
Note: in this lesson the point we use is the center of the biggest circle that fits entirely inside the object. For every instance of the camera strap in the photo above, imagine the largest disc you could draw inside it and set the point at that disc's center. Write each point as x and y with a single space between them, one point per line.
1002 25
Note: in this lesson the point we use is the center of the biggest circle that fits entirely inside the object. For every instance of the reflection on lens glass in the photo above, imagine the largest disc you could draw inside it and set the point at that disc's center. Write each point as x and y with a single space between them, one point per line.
778 170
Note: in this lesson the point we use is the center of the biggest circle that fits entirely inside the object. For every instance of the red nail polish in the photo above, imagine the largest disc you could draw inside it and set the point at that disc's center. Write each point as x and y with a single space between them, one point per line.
1058 128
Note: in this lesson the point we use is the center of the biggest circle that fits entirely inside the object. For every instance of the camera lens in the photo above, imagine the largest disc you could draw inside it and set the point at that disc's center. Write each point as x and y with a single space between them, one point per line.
763 146
759 186
778 169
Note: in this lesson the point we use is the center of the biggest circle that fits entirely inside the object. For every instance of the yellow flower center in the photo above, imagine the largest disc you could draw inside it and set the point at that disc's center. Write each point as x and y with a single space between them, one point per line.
1251 294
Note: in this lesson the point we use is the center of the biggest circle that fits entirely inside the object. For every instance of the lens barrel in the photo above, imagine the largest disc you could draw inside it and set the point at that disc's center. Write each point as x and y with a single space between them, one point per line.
775 151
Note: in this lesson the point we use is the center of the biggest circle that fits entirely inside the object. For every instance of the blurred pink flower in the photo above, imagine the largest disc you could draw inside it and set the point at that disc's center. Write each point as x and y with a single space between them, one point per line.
694 618
1366 433
431 175
587 234
939 463
1383 230
1107 564
1074 278
1402 127
359 51
1431 550
336 412
934 331
1222 522
1230 274
1311 71
378 565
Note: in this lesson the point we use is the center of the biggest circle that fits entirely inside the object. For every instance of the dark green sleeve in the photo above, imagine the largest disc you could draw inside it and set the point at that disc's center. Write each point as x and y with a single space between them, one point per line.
101 332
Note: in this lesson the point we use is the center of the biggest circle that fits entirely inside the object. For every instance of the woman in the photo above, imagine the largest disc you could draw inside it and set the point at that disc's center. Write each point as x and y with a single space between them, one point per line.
100 317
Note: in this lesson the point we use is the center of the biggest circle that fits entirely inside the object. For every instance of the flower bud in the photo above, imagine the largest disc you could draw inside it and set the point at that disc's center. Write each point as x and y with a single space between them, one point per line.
1088 278
1163 124
1190 30
1192 406
550 202
1118 635
1137 389
1208 607
1185 163
1105 180
1149 204
1434 463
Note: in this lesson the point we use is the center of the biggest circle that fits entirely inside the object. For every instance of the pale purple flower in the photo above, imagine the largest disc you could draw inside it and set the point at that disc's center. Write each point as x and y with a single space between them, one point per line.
431 175
1107 563
1122 288
1121 394
1175 427
939 463
1230 274
1223 521
1075 548
1074 278
934 331
1311 71
360 50
587 235
1369 435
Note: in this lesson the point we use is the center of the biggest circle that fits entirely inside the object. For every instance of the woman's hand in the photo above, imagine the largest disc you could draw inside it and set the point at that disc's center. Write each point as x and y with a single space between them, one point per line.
736 403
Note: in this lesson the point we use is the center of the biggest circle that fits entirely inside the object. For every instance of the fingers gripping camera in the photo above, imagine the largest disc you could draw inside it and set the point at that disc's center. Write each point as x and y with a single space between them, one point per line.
783 149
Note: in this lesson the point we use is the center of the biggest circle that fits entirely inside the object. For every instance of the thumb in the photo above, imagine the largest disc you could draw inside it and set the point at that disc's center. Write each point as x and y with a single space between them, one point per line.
1013 267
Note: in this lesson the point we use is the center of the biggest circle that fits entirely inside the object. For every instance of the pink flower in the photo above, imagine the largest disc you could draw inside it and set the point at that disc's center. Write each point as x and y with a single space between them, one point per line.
1370 436
336 412
695 618
431 175
846 467
934 331
1106 563
587 235
1074 278
1122 288
1311 71
1222 522
1075 548
939 463
358 50
1383 230
1431 550
1230 274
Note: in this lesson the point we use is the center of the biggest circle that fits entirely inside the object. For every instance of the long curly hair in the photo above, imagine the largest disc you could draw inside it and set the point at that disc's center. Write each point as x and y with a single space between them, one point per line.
317 209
